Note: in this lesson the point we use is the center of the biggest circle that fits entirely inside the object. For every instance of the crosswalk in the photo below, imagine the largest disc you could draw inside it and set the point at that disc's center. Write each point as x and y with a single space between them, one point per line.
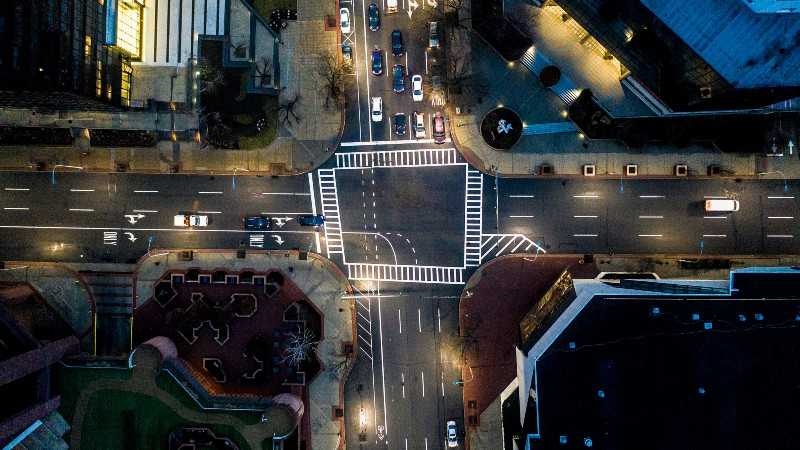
398 158
404 273
330 209
473 218
494 245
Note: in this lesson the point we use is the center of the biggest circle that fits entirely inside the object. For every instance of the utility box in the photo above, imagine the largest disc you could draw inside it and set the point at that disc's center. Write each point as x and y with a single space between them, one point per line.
631 170
589 170
681 170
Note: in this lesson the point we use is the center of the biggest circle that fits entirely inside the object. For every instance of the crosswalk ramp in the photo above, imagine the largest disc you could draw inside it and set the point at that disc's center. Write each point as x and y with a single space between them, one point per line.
330 209
406 274
398 158
473 218
535 61
495 245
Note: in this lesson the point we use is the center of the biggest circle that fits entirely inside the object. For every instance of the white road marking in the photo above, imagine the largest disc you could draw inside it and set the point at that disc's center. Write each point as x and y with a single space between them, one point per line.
521 217
780 236
17 189
584 235
383 373
286 193
191 230
423 389
651 217
366 72
439 319
81 190
715 235
781 217
209 212
145 211
81 209
520 196
651 196
16 209
715 196
776 197
210 192
400 321
146 192
398 142
403 385
650 235
715 217
313 209
419 319
287 213
585 217
586 196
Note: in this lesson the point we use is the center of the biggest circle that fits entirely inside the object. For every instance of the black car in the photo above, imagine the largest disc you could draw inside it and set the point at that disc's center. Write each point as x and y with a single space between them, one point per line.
397 43
347 53
377 62
374 17
398 79
400 124
257 223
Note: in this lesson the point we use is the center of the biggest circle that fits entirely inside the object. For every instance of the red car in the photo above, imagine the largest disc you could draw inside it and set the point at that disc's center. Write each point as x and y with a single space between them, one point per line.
439 133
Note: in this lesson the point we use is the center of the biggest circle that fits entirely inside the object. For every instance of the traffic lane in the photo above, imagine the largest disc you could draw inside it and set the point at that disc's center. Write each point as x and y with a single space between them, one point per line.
374 248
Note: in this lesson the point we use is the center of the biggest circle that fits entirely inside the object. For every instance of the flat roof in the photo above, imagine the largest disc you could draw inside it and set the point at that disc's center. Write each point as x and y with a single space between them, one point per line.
666 373
748 49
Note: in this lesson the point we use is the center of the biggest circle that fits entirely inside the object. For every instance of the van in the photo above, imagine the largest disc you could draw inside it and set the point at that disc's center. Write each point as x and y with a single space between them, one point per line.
391 6
722 205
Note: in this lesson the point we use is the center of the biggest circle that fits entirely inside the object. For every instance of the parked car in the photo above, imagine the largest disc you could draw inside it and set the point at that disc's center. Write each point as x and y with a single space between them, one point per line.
452 434
391 6
374 14
257 223
377 109
377 61
347 53
416 88
397 43
418 119
398 78
344 19
400 124
190 220
311 221
433 35
439 133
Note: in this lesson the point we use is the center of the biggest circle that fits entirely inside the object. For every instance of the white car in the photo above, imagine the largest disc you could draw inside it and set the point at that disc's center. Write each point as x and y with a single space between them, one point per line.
452 434
416 88
344 18
377 109
418 120
190 220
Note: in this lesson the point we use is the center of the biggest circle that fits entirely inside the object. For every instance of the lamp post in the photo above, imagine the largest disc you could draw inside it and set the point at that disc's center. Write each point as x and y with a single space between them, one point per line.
233 180
53 173
785 183
463 382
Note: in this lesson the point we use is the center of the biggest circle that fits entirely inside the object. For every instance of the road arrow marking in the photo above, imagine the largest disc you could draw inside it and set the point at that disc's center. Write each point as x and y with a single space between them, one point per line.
281 221
278 239
133 218
131 237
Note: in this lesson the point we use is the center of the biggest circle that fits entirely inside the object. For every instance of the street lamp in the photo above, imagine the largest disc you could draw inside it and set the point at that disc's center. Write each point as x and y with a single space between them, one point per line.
785 184
233 180
463 382
53 173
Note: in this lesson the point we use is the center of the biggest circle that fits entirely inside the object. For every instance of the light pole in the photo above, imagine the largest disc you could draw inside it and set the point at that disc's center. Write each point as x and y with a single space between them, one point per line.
53 173
785 183
463 382
233 180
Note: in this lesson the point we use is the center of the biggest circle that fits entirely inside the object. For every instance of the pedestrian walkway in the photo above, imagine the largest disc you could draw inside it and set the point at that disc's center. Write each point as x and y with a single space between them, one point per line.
405 273
398 158
495 245
329 199
473 218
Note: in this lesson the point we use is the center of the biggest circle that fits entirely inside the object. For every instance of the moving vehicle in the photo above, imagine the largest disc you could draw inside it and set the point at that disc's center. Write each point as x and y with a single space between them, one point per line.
418 119
452 434
400 124
377 61
391 6
377 109
416 88
438 128
397 43
722 205
311 221
257 223
190 220
433 35
398 80
344 19
374 17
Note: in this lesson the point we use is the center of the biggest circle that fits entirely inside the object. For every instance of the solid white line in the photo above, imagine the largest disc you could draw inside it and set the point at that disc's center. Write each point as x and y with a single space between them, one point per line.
17 189
145 211
419 319
423 384
715 196
398 142
585 217
520 196
209 212
383 373
366 72
439 319
400 321
775 197
715 217
406 438
651 217
146 192
313 208
81 190
403 385
81 209
780 217
16 209
780 236
584 235
287 213
715 235
586 196
426 443
651 196
521 217
210 192
199 230
650 235
286 193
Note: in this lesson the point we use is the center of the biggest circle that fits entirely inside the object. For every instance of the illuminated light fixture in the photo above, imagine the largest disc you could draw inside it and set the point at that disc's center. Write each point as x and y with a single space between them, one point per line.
173 136
581 136
564 114
499 105
628 35
511 64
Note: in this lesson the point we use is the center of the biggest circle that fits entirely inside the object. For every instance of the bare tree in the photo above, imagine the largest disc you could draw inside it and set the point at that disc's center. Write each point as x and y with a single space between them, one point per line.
286 112
300 345
332 72
263 68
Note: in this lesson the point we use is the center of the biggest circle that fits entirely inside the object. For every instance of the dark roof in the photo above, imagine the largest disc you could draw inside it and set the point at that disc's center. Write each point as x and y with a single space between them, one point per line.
713 373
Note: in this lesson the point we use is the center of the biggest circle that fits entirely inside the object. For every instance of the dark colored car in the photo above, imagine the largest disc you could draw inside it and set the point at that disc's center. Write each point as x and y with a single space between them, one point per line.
347 53
377 62
400 124
311 221
257 223
374 17
398 79
397 43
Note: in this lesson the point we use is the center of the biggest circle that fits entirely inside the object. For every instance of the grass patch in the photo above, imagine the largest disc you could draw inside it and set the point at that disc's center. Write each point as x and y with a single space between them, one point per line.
268 133
71 381
265 7
168 384
120 419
